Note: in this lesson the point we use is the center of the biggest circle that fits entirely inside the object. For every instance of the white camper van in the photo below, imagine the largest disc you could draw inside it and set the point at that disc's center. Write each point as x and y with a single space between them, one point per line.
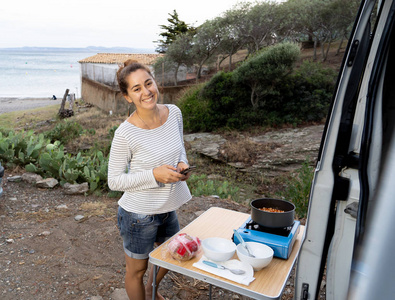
352 201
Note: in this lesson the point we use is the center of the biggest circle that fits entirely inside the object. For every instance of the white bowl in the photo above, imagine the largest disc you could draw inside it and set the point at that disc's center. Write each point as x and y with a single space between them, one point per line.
263 255
218 249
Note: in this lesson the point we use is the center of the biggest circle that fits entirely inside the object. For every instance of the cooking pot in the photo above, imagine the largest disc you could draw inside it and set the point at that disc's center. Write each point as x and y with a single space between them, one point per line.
272 219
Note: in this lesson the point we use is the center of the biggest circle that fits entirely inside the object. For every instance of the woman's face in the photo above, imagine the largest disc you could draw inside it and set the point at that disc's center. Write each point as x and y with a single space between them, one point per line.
142 89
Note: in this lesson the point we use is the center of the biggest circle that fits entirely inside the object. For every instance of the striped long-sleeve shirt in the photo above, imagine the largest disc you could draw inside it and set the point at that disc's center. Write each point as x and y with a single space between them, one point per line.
135 152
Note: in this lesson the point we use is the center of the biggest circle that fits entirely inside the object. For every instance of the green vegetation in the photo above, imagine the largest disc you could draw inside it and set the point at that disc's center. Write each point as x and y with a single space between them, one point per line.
266 71
255 26
38 155
265 90
66 130
298 189
172 31
201 186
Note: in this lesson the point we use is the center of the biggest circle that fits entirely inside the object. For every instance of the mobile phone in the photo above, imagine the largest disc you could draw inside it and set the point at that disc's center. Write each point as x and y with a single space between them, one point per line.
187 170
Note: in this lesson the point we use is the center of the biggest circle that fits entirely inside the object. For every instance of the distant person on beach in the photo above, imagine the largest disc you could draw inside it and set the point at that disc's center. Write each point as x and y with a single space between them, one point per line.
146 159
53 97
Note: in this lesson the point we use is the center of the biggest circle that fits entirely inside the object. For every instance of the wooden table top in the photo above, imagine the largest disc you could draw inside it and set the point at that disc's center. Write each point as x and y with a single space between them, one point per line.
219 222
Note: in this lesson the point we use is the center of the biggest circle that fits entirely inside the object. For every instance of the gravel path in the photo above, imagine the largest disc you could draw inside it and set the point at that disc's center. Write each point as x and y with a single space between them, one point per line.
17 104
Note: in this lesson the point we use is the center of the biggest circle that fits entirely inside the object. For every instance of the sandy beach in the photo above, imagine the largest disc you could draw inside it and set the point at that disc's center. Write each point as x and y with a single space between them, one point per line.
17 104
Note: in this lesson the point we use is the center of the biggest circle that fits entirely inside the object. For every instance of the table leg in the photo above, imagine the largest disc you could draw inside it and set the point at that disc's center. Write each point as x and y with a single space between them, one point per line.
210 291
156 269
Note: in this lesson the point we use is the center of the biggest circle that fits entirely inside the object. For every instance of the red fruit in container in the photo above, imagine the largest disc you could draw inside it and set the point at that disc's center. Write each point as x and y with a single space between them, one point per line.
183 247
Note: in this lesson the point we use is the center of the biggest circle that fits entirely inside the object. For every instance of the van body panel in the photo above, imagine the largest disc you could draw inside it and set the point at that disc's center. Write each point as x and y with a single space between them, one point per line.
351 159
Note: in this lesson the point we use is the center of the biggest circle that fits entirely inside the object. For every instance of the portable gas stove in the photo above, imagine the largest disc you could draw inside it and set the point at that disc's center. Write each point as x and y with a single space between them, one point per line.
281 240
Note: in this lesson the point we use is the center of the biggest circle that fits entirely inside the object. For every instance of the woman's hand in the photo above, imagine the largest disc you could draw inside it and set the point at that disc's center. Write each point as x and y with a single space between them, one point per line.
181 167
167 174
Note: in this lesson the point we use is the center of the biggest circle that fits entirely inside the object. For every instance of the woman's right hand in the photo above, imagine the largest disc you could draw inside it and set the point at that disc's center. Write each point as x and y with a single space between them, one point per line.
167 174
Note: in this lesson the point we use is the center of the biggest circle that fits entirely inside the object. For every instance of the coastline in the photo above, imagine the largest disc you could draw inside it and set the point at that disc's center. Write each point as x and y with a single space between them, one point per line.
11 104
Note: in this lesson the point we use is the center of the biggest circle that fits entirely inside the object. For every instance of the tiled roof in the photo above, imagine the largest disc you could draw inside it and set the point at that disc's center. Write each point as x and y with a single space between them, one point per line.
119 58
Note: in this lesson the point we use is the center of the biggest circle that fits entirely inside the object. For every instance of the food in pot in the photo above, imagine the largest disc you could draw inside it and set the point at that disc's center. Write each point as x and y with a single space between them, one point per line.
184 247
269 209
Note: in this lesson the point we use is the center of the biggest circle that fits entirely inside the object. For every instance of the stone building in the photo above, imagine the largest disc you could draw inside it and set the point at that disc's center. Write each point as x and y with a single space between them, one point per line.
99 84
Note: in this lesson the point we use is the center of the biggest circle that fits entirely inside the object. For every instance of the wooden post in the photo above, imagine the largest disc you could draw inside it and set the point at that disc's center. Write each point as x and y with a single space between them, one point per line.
65 113
63 101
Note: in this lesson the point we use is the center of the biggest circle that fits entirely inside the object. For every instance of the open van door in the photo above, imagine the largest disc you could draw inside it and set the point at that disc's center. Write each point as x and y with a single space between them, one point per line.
355 148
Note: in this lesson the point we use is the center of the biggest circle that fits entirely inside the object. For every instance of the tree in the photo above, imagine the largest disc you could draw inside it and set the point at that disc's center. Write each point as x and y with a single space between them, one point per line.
318 21
255 24
263 23
179 53
174 29
231 41
206 42
264 71
306 19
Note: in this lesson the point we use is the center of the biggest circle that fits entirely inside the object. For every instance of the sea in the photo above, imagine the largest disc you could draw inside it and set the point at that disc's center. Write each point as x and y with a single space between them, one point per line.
42 72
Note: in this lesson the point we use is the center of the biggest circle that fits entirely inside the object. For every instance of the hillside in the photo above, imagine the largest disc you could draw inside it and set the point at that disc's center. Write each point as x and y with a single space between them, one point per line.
48 253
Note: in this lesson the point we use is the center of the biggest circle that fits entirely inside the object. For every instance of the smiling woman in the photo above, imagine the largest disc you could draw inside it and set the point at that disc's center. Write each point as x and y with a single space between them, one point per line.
149 144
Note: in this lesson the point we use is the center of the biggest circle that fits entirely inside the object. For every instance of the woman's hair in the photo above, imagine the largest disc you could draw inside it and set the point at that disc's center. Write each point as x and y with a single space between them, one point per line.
129 66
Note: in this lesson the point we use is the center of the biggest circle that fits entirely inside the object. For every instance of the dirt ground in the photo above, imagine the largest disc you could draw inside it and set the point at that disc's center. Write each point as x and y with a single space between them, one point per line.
45 253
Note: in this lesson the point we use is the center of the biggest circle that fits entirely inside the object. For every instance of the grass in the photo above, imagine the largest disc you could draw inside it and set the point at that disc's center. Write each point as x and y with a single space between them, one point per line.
25 118
96 209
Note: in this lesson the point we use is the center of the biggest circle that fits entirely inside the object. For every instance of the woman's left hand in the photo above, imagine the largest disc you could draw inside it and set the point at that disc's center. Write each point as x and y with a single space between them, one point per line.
181 167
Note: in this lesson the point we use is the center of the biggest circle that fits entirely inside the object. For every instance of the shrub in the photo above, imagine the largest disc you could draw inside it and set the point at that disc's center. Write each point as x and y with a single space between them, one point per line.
195 110
280 96
265 71
38 155
201 186
298 189
313 87
21 148
64 131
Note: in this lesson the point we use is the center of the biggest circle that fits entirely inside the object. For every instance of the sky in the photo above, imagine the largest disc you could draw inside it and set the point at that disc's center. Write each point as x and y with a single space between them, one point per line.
107 23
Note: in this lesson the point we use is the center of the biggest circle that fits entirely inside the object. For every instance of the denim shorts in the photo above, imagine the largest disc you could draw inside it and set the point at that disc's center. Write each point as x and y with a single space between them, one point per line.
140 232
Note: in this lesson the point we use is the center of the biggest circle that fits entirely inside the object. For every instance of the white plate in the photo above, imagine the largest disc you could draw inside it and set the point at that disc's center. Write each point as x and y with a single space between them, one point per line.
237 264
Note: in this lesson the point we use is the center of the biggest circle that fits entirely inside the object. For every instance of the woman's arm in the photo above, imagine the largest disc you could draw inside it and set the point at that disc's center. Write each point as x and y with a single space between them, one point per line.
119 179
183 157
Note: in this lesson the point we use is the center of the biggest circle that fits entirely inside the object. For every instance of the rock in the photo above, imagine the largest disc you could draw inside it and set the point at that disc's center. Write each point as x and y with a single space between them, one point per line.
205 143
288 148
14 178
237 165
31 177
75 189
45 233
78 217
47 183
62 206
214 177
119 294
10 241
96 298
198 213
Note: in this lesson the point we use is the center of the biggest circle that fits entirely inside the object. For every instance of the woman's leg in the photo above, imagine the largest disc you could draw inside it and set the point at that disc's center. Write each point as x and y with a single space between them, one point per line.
134 285
135 270
168 228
